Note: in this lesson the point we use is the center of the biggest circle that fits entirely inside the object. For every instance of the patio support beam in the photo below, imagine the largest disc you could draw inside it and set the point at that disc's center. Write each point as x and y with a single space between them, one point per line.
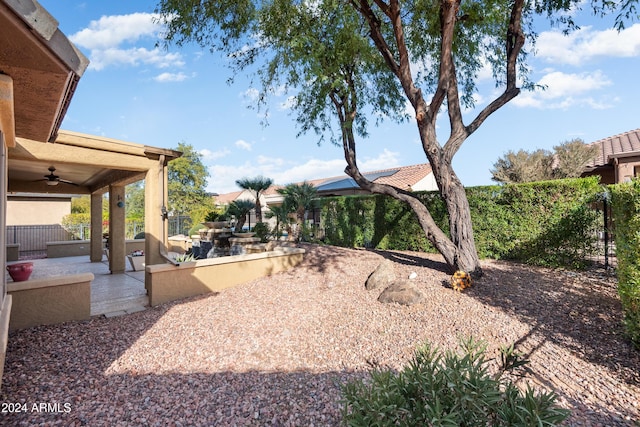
116 229
96 228
155 227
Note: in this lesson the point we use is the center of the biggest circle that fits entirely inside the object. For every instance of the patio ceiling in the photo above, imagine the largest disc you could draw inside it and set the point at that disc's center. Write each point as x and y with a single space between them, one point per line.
91 162
44 65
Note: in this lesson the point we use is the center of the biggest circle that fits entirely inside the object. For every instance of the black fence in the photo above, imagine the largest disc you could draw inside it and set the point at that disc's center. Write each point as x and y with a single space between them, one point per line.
33 238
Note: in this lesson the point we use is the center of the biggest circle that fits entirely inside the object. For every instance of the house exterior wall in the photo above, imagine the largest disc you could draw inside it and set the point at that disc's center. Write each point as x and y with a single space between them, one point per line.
428 183
627 168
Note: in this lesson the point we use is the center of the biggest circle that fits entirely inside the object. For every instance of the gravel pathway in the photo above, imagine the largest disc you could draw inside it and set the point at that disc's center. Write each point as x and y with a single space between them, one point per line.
275 351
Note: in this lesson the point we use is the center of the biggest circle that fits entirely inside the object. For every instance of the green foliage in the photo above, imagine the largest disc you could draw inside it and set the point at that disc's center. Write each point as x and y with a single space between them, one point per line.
549 223
258 185
184 258
262 231
239 209
218 214
134 200
448 389
566 161
625 200
299 198
187 177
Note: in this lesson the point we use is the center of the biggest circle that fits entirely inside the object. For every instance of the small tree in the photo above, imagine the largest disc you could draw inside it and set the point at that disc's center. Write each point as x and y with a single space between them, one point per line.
571 157
298 199
240 209
566 161
350 61
523 166
187 177
257 185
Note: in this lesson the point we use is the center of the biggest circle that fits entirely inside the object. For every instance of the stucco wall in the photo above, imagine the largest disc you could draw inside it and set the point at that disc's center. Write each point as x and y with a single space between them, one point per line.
37 210
166 282
51 300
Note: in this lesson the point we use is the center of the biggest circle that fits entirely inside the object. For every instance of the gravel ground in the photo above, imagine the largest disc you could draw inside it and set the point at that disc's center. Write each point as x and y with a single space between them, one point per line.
275 351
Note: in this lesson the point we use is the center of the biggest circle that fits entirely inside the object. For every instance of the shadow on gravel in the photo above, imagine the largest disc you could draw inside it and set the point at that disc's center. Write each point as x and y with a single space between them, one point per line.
414 260
579 311
74 369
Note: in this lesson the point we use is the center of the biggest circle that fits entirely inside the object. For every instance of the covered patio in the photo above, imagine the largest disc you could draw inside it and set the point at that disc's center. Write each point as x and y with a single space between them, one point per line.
111 294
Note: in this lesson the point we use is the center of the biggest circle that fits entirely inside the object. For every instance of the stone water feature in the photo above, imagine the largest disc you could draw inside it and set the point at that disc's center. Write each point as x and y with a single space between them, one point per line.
213 241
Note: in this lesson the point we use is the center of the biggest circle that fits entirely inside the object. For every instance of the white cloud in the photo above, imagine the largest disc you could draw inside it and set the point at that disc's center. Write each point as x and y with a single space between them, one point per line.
209 155
244 145
586 44
113 40
223 177
250 95
172 77
566 90
111 31
386 159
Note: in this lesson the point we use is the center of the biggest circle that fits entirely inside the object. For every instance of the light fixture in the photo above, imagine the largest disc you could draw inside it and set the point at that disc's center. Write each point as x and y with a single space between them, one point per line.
50 182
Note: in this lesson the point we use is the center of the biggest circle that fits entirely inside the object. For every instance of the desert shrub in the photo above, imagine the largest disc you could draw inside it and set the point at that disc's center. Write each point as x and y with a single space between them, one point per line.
625 201
262 231
449 389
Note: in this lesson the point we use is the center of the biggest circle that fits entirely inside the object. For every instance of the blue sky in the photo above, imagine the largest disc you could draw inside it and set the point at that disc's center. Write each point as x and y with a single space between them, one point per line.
136 92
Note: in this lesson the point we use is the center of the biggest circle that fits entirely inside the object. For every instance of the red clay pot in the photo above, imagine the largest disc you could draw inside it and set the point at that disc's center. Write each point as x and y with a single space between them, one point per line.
21 271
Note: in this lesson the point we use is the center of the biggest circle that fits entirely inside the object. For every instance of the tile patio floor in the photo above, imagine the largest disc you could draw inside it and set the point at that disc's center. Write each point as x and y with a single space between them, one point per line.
111 294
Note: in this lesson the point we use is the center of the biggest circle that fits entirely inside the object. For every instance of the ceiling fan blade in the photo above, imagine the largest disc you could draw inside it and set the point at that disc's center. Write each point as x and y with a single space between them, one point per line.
67 182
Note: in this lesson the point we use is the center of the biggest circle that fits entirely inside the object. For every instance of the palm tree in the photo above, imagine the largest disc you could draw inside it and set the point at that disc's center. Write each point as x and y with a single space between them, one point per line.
240 209
298 198
280 213
257 185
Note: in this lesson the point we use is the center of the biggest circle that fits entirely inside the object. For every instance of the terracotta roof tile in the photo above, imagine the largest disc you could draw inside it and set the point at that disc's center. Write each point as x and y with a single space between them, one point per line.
401 177
624 143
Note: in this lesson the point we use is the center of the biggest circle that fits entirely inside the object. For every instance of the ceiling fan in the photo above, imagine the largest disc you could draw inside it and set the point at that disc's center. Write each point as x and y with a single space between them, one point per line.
53 179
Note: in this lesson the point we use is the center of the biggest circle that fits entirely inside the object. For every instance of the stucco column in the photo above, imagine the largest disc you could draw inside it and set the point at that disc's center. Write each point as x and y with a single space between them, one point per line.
155 226
116 229
96 228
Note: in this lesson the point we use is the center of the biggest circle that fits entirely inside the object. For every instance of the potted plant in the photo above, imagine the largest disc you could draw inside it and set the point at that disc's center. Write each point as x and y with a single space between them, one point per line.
216 220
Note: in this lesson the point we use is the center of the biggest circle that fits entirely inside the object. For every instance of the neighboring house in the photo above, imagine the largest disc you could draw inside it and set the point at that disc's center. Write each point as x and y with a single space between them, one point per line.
618 158
412 178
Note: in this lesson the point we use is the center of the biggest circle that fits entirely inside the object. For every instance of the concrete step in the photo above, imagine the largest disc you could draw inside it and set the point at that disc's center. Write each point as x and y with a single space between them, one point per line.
120 306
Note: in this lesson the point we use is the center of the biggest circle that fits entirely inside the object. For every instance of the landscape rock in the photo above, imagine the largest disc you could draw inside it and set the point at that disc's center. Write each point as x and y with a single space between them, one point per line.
382 276
401 292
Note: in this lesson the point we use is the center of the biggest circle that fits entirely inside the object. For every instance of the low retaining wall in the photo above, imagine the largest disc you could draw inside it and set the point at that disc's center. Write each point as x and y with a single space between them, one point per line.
51 300
62 249
166 282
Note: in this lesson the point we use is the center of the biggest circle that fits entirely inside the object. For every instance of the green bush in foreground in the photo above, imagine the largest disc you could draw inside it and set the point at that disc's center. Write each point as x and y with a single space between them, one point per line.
625 200
449 389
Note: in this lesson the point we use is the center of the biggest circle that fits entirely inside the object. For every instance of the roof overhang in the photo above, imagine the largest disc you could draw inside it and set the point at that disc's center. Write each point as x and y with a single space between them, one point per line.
90 162
44 65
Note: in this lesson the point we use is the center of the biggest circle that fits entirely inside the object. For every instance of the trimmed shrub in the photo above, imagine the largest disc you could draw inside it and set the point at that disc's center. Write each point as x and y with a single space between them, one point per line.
550 223
625 201
448 389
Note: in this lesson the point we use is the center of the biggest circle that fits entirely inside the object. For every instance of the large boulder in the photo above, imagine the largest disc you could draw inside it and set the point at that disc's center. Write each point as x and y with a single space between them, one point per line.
402 292
381 277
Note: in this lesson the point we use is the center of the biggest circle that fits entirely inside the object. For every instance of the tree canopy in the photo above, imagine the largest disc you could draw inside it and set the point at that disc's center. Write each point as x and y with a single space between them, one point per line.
348 61
567 160
258 185
187 177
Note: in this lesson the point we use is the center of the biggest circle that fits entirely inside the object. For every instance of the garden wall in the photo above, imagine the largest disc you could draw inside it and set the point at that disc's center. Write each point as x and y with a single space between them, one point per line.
551 223
166 282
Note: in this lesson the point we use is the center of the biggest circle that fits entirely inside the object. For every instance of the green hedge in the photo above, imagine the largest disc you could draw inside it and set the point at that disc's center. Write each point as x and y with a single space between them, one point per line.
550 223
625 200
